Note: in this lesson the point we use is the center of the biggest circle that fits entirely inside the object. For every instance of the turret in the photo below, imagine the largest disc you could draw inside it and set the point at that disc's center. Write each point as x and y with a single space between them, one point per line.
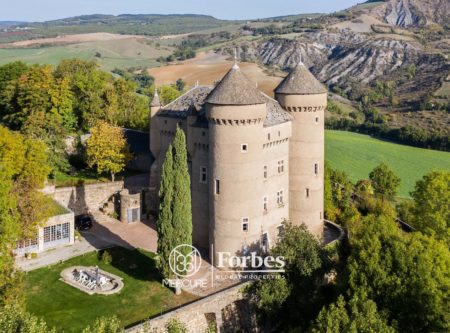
236 111
155 142
305 98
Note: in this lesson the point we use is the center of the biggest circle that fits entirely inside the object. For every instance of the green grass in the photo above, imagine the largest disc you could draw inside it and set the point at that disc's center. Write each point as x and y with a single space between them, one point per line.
358 154
70 309
56 209
122 53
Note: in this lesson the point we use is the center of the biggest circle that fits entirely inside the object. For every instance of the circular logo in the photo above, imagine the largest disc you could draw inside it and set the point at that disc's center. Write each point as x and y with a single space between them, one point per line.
185 260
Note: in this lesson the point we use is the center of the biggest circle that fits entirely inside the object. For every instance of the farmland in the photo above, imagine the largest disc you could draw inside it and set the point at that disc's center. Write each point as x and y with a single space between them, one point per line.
109 52
358 154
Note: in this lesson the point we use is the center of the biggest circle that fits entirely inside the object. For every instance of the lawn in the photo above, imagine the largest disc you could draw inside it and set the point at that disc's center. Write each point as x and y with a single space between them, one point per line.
358 154
70 309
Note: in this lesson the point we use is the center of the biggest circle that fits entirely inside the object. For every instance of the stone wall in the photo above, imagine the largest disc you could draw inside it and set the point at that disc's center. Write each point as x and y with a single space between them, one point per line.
228 309
81 199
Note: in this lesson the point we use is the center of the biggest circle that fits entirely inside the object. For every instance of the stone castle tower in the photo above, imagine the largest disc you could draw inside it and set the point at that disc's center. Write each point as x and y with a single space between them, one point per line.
305 99
254 161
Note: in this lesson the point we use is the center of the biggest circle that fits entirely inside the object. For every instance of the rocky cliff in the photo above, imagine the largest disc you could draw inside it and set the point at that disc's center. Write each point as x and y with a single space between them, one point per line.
413 13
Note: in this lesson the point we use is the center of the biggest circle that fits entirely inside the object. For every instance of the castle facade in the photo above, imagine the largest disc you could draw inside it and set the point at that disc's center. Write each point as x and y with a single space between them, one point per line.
254 161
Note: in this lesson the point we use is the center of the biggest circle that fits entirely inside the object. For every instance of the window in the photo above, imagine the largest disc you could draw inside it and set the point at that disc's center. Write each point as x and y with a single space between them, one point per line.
280 166
317 120
265 203
217 187
307 192
203 175
244 147
203 133
280 198
280 229
279 133
268 136
165 122
56 232
245 224
316 168
265 172
265 242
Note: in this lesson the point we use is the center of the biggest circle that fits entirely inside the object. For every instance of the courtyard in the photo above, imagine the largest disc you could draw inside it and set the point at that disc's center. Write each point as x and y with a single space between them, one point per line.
70 309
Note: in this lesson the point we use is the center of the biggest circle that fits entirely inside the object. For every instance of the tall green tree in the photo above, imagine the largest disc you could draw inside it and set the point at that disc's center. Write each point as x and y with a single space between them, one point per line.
384 181
431 210
49 128
16 320
295 299
165 230
175 213
182 208
405 274
107 149
359 315
23 207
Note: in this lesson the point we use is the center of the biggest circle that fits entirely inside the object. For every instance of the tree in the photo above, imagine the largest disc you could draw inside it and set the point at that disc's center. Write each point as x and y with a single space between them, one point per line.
359 315
405 274
431 210
107 149
180 84
175 211
15 320
165 229
168 94
49 129
9 73
22 206
181 205
384 181
175 326
88 86
105 325
297 300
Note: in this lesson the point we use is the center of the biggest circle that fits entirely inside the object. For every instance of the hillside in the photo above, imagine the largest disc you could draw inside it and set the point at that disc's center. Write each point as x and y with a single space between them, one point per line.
358 154
142 24
413 13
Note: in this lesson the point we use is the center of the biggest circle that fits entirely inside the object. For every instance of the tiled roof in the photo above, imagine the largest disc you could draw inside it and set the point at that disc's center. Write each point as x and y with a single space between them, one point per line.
235 89
300 81
194 100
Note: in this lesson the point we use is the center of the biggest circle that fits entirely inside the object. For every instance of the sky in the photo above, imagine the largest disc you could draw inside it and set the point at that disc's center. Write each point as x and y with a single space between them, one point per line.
44 10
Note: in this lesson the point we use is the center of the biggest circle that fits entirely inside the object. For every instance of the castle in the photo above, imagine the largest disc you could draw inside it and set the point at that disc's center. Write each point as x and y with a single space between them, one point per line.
254 161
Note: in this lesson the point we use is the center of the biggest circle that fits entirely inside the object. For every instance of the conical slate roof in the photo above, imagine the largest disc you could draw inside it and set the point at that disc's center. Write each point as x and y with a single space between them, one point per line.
235 89
300 82
155 102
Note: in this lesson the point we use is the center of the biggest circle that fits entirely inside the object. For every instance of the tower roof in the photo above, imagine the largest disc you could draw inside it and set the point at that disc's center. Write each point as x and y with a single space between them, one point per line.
235 89
300 81
155 102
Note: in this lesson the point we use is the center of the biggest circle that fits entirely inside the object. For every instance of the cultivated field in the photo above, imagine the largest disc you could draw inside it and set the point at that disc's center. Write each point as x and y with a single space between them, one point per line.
66 39
110 53
358 154
209 67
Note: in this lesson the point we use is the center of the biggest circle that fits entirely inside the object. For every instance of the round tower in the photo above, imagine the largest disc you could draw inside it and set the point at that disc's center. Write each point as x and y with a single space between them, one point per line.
155 139
236 111
305 98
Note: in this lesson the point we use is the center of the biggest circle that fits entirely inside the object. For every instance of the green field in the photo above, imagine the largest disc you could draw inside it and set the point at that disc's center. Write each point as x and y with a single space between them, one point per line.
358 154
122 53
70 309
